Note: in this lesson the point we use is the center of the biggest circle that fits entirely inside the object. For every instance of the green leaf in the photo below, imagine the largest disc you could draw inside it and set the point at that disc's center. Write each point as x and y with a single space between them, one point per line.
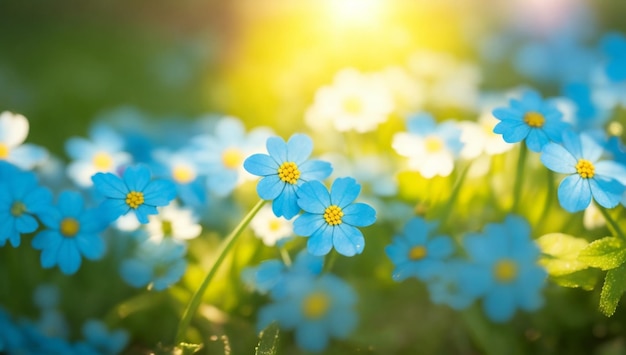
561 253
606 253
585 279
188 348
612 290
268 340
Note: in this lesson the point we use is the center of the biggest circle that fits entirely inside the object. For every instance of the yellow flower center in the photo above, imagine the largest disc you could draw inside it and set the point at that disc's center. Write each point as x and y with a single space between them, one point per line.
333 214
274 225
505 270
4 151
102 161
534 119
585 169
134 199
183 174
433 144
353 105
315 305
417 252
232 158
17 208
288 172
69 227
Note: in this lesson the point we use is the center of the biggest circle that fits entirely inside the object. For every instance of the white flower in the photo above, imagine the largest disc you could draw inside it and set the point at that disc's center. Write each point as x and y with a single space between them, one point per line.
13 133
270 228
354 101
478 137
175 222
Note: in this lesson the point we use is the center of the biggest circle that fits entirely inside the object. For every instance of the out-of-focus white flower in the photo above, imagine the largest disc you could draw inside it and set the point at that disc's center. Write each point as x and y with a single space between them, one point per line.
354 102
13 133
478 137
175 222
408 93
270 228
103 152
431 148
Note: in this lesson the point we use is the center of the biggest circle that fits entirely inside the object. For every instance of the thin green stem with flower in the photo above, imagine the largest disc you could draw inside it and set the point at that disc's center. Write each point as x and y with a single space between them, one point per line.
225 247
456 189
519 176
612 223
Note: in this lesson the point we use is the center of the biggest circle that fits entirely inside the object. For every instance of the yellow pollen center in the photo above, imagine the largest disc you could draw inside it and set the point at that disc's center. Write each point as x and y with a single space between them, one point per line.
333 214
102 161
433 144
134 199
534 119
232 158
288 172
183 174
69 227
505 270
353 105
17 208
274 225
417 252
585 169
315 305
4 151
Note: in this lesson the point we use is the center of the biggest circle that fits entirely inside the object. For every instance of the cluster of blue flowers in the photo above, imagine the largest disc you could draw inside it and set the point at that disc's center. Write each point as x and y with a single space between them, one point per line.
500 266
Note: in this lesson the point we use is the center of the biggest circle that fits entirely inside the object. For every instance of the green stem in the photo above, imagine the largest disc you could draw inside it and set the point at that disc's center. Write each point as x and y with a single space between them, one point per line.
519 176
285 256
225 247
549 198
443 216
613 226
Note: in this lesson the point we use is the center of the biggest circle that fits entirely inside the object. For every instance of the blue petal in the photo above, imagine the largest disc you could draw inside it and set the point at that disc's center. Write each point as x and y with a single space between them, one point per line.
359 214
611 169
571 142
536 139
91 246
270 187
143 211
315 170
299 148
499 304
26 224
512 133
574 193
68 257
508 114
45 239
348 240
50 254
70 204
306 224
312 336
440 247
321 241
421 124
261 165
313 197
137 177
51 218
110 185
344 191
558 159
607 192
286 204
159 192
111 209
277 149
38 200
135 273
590 149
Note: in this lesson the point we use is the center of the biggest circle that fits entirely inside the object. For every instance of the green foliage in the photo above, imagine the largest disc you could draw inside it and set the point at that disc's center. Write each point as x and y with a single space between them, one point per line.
612 290
561 253
606 253
268 341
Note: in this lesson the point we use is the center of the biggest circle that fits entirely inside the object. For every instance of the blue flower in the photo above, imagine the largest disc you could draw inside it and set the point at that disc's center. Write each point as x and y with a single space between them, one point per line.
135 191
614 46
73 231
317 308
588 177
416 253
156 265
531 119
224 152
444 287
21 198
330 219
103 341
503 269
284 171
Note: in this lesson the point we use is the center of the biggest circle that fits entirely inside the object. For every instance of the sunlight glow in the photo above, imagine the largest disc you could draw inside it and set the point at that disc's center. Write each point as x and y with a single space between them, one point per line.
354 11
